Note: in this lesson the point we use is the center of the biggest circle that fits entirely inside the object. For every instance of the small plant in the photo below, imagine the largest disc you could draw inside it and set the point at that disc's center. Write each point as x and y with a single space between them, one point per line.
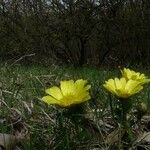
128 85
70 98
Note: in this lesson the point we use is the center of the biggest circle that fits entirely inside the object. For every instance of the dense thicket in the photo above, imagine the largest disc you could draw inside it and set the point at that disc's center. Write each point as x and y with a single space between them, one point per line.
76 31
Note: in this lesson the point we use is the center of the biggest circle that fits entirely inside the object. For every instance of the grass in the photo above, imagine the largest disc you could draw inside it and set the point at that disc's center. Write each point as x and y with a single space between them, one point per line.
21 89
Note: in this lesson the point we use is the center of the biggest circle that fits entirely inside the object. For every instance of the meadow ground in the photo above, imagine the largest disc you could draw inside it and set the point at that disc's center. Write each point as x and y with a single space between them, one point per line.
23 114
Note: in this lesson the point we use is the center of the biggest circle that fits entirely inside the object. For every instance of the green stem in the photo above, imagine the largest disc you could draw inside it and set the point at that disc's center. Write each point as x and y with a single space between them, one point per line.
75 113
126 106
124 120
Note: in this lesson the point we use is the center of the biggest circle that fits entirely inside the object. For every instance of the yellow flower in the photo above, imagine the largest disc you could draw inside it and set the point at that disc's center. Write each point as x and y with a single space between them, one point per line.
69 93
130 74
123 88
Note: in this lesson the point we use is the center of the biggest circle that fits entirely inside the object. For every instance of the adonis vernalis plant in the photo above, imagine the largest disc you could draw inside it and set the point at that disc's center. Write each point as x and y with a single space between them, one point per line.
69 93
130 74
128 85
123 88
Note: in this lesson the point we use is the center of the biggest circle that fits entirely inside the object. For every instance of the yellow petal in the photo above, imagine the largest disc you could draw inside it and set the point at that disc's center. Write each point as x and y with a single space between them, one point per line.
50 100
82 96
133 87
80 86
118 83
123 82
55 92
67 87
68 100
110 86
131 84
137 76
81 82
82 99
137 89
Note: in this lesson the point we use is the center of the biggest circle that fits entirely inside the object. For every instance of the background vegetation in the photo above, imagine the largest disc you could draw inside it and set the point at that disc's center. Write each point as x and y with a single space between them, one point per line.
76 31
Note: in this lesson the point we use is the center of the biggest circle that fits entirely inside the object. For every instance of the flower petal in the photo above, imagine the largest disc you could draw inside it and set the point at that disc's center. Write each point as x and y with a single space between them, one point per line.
67 87
50 100
137 89
55 92
118 84
134 87
80 83
130 74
